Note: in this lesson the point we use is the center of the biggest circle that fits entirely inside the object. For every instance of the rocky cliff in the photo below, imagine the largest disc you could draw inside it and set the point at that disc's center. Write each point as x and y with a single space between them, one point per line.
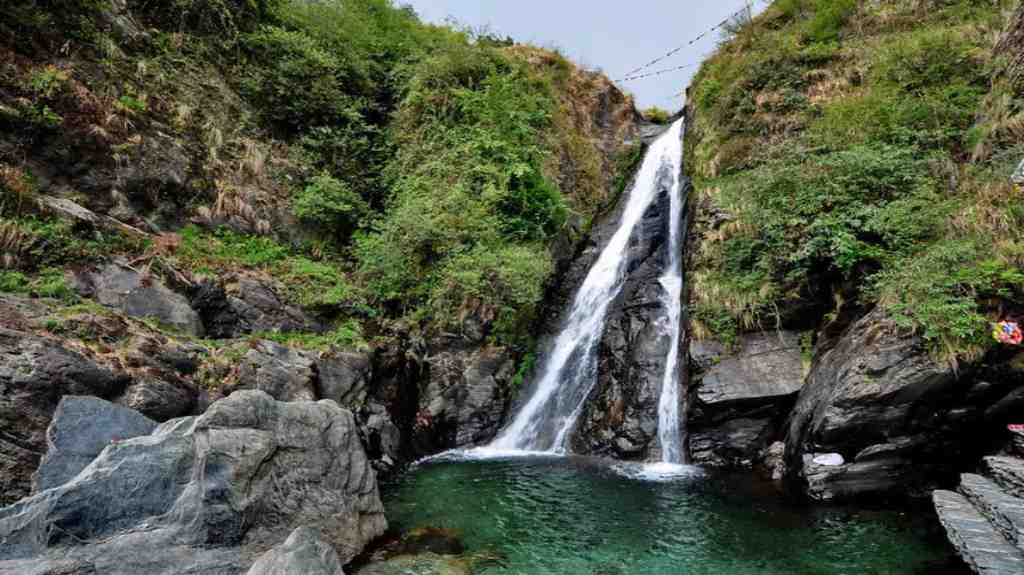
827 351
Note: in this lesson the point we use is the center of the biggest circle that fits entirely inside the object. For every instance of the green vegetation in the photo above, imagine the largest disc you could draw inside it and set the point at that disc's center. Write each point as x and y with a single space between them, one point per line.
656 115
429 169
837 135
321 285
47 283
347 335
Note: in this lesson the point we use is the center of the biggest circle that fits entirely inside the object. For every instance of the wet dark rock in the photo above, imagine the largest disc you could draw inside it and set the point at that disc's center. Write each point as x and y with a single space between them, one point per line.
81 428
245 305
302 553
35 373
141 295
974 538
463 399
381 436
741 396
621 417
206 495
904 422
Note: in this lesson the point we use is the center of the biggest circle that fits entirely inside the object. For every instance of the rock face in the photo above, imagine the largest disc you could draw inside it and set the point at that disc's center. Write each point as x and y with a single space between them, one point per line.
621 417
284 373
984 519
740 398
35 373
81 428
901 421
464 398
303 553
205 495
243 305
119 286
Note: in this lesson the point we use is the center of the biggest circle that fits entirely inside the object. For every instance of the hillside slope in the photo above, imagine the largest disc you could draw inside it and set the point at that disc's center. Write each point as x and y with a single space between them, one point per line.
321 200
852 163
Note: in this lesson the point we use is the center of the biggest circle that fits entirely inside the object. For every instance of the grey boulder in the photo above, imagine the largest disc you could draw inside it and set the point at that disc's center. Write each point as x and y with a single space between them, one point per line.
119 286
81 428
205 495
303 553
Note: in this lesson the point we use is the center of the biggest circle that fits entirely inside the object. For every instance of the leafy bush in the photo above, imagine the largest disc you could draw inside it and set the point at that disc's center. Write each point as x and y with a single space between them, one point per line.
330 203
828 20
469 198
298 84
505 284
656 115
939 290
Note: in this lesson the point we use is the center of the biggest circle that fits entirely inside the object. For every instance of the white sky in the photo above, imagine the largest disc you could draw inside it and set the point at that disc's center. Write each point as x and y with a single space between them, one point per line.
613 37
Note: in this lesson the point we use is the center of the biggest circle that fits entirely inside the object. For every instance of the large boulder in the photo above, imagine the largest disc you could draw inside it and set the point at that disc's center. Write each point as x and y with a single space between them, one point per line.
35 372
739 396
205 495
879 415
303 553
120 286
81 428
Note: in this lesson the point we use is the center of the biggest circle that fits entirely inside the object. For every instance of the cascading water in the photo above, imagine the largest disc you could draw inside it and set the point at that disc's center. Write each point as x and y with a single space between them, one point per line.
569 372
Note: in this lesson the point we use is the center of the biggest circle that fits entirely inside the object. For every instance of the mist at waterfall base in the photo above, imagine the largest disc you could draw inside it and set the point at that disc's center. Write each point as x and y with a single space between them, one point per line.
577 516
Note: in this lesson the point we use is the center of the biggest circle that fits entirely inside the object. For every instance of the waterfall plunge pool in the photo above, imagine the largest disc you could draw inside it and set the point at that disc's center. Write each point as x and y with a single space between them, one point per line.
580 516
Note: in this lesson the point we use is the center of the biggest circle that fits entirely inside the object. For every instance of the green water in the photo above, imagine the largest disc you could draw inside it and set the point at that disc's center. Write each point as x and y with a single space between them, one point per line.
576 516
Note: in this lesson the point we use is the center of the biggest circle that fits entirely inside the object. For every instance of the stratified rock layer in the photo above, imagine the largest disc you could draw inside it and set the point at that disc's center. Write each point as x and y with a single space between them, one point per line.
740 396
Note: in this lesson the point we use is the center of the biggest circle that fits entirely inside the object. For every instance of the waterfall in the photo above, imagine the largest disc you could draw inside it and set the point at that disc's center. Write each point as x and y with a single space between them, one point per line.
569 371
669 434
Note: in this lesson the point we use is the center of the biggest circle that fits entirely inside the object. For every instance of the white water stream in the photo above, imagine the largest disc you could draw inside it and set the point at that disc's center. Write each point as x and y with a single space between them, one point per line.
569 372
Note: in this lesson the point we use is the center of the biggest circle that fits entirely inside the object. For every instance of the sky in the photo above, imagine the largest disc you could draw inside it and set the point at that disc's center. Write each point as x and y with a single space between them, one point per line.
612 37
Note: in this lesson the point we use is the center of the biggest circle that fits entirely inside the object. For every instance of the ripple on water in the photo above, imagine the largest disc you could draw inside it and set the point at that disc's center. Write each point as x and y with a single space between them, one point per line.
570 516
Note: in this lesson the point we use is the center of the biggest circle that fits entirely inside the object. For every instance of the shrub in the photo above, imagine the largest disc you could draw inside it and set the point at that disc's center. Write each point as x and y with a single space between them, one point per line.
298 84
656 115
828 20
222 18
331 204
503 283
532 208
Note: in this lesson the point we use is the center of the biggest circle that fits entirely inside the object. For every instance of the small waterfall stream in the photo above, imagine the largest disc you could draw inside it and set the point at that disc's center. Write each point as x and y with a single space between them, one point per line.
569 372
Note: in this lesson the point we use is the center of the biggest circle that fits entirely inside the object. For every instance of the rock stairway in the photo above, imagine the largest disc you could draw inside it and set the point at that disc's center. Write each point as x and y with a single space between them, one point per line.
984 518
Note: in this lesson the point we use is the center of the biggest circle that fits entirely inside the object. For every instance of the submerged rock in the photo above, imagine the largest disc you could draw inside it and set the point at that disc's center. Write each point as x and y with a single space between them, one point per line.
205 495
